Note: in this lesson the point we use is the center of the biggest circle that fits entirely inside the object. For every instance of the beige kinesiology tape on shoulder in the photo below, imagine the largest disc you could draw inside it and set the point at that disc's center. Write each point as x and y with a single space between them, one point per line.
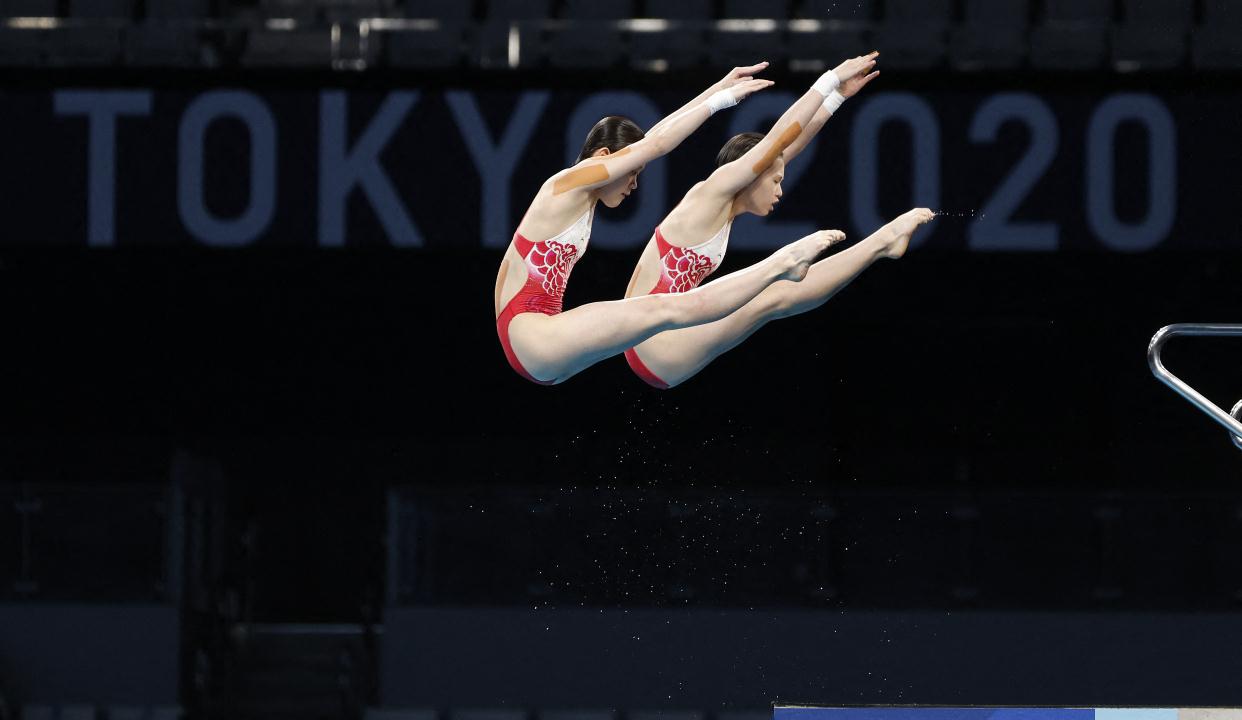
579 177
591 174
785 140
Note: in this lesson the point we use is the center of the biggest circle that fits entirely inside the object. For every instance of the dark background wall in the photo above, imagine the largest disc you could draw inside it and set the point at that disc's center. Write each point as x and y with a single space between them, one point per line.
1005 385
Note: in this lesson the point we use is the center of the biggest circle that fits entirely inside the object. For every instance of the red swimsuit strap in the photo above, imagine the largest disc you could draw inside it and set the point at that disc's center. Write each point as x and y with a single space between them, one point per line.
665 247
522 244
662 245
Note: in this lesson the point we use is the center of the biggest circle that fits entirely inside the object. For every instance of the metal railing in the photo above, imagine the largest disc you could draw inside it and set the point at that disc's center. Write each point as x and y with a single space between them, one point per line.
1232 421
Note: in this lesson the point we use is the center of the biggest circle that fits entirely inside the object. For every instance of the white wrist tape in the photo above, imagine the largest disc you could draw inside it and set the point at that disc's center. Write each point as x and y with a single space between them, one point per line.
720 100
833 102
827 83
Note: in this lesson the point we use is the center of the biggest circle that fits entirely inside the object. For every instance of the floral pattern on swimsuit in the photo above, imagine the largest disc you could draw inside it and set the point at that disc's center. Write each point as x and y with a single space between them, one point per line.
684 269
550 262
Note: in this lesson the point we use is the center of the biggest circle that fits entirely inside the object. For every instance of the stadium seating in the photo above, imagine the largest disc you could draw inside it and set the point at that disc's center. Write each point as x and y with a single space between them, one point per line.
859 13
696 10
593 46
511 25
22 47
1216 40
178 10
354 12
443 10
1153 34
282 49
434 47
102 9
678 47
85 46
1072 36
913 33
519 9
440 46
1057 35
160 45
992 35
841 31
756 8
27 8
591 40
302 12
728 46
329 10
594 10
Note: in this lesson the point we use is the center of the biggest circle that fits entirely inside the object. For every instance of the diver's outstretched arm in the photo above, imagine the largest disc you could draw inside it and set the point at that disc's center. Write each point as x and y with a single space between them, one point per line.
735 76
595 172
832 103
729 179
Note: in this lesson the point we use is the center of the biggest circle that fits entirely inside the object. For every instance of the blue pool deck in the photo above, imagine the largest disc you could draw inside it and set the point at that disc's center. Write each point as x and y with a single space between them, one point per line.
799 712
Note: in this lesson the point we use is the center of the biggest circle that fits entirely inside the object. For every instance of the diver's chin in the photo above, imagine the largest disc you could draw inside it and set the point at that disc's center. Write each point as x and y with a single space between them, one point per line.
612 202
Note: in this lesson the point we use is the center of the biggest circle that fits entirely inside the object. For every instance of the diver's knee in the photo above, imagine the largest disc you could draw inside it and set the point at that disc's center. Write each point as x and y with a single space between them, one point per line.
671 311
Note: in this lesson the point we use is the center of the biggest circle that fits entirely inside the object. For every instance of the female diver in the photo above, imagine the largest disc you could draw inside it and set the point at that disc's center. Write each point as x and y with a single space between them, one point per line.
548 346
690 243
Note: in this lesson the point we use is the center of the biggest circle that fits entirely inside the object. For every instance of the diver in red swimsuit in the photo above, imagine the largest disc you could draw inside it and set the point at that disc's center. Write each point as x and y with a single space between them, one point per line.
748 180
548 346
547 269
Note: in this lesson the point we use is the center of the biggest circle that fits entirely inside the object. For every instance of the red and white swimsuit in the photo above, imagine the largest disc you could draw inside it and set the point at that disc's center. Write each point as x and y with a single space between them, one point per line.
681 269
548 264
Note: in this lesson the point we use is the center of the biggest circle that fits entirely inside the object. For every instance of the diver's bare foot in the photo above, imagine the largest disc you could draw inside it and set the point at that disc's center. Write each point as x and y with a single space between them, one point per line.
797 256
894 237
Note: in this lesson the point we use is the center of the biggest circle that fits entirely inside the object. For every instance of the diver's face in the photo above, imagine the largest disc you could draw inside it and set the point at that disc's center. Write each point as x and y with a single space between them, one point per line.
614 193
762 195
